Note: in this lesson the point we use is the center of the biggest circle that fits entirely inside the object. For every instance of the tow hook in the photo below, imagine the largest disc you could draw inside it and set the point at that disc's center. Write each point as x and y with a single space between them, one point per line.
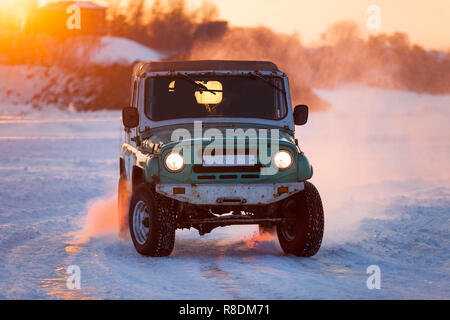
231 200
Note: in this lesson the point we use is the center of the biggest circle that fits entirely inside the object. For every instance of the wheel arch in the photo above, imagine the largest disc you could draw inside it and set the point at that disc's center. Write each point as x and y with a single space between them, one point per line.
122 168
137 176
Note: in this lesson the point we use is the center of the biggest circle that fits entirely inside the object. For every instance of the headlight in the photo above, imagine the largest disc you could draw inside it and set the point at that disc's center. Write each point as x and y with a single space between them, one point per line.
282 159
174 162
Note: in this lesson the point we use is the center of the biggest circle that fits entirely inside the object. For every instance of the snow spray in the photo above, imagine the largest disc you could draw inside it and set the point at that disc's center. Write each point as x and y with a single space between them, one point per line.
102 219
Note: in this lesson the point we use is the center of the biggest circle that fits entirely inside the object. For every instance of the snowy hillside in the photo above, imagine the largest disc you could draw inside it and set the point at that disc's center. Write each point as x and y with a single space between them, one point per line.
91 77
125 51
380 161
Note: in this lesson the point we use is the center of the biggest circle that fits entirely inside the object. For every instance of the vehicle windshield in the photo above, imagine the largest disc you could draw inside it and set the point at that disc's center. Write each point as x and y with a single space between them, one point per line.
191 96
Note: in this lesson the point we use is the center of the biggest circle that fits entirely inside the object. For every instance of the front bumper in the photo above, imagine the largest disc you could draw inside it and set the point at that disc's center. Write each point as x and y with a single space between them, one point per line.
230 194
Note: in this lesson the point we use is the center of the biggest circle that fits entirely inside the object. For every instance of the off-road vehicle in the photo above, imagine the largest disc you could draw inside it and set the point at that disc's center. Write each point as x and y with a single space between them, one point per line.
210 144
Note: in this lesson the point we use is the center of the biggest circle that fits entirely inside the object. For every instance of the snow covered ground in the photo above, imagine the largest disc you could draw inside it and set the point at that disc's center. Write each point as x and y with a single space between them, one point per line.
381 163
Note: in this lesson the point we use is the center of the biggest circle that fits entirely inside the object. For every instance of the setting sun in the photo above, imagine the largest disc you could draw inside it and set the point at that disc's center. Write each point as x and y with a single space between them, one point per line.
13 13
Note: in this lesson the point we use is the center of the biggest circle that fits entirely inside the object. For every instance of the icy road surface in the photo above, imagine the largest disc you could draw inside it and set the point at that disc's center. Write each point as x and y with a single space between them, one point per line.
381 163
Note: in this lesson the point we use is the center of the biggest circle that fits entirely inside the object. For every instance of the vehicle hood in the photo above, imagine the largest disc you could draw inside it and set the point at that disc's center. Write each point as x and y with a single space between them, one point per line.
156 138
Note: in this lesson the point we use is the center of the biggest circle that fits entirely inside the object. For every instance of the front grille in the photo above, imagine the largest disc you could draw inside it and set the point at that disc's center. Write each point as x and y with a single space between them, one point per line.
206 177
236 151
227 176
250 176
198 168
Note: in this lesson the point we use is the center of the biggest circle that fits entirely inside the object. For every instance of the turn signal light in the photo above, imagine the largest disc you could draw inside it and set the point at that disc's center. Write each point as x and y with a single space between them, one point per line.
282 190
179 191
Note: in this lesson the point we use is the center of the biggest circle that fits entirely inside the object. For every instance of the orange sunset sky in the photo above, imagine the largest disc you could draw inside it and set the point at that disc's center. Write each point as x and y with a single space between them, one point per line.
427 22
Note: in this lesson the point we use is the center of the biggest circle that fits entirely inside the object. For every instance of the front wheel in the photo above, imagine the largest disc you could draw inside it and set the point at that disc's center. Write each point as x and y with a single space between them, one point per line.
301 231
152 222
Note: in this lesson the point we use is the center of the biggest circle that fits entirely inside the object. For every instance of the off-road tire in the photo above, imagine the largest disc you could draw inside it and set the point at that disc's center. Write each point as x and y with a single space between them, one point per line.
123 198
161 235
304 218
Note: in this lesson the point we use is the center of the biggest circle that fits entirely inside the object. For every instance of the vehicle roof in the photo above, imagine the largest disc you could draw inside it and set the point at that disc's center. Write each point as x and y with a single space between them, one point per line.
203 65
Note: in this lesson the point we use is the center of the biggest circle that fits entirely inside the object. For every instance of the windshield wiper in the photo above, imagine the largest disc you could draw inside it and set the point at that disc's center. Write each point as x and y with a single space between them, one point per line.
258 75
199 86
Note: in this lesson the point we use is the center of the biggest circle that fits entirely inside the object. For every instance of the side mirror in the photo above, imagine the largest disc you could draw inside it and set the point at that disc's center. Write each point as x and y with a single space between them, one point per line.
300 114
130 117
